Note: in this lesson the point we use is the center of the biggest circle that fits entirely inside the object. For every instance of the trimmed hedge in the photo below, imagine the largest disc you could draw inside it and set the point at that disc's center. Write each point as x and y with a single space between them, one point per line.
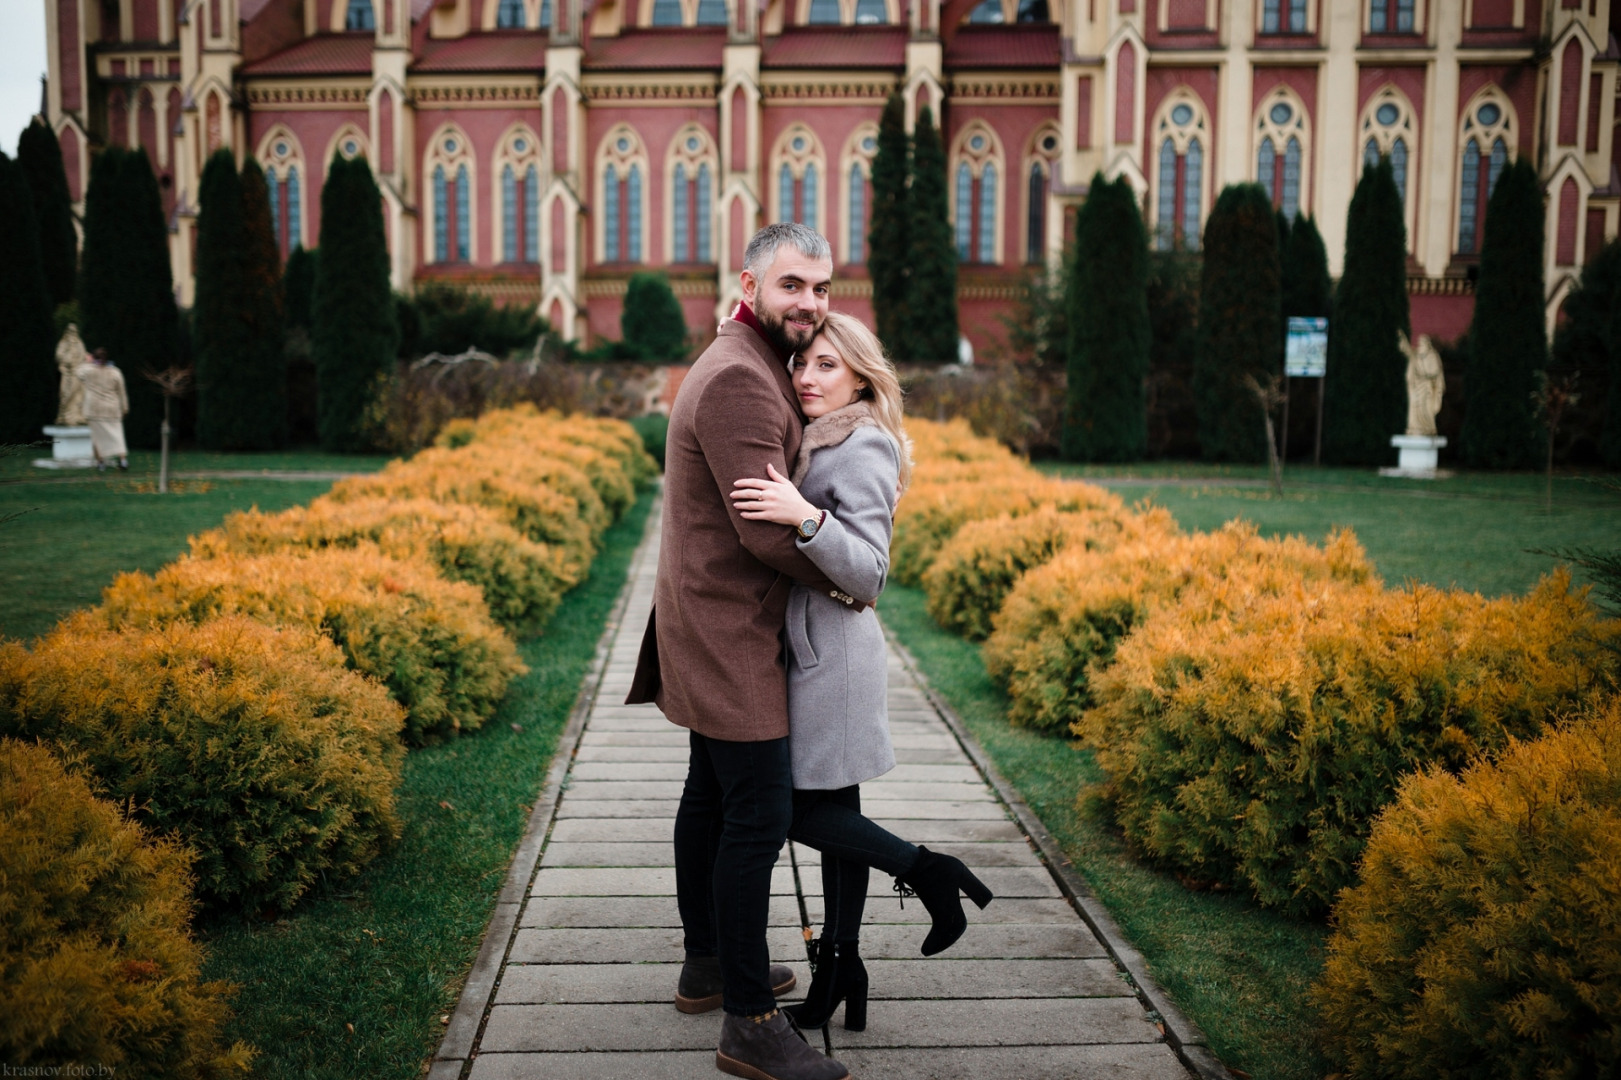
522 581
1252 732
976 569
1485 936
253 744
430 641
1061 623
96 962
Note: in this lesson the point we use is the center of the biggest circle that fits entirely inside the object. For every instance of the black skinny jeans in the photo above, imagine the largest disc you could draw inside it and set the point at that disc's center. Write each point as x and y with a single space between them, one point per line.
729 829
832 823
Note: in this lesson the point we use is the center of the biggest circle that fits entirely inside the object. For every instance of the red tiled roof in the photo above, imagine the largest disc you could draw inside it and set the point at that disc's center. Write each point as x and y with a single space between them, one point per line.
325 54
658 50
1032 45
502 50
836 47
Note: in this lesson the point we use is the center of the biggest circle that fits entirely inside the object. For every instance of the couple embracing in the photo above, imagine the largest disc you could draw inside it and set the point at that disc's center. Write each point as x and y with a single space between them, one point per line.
764 644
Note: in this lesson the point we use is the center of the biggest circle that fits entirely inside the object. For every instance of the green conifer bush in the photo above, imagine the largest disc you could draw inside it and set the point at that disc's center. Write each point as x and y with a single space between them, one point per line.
1239 332
353 333
27 334
1307 288
40 156
651 322
888 242
125 289
1508 342
1106 413
1365 397
931 307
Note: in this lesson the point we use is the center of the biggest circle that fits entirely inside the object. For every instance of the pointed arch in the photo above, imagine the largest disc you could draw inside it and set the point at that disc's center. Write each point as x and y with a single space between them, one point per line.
1180 176
1487 133
691 171
515 178
1388 127
348 141
1281 148
621 192
855 202
450 189
978 192
1039 168
797 177
281 156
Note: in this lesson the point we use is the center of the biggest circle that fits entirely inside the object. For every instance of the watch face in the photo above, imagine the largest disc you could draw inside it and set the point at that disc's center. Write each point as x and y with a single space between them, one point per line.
807 528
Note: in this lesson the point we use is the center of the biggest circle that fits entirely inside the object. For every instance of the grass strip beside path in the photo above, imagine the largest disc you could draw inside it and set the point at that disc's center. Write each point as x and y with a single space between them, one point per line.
1239 972
354 981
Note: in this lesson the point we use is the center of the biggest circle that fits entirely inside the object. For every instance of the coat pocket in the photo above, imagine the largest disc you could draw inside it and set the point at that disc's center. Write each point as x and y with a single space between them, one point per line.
796 623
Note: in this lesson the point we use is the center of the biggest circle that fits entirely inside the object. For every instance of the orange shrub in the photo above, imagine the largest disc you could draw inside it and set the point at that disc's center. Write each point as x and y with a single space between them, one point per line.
430 641
253 744
976 568
1251 734
1484 938
536 510
96 960
1061 622
522 581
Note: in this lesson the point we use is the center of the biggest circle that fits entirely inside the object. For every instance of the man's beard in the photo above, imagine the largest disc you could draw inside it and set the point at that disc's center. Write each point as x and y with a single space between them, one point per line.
777 331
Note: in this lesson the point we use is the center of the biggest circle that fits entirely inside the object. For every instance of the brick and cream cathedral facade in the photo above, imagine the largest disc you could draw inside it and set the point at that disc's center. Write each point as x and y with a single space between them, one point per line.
544 150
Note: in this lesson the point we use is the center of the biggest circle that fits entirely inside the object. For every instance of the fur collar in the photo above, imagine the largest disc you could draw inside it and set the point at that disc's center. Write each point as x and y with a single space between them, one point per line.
830 430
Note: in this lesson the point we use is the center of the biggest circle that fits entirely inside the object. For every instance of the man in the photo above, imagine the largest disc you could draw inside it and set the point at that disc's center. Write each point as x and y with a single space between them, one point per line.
712 655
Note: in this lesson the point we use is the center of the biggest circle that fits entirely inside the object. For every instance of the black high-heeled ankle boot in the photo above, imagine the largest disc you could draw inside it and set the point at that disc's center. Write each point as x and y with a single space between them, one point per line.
935 880
837 974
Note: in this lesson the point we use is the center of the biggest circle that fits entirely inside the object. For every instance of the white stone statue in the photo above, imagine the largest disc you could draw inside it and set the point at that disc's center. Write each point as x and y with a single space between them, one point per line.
1425 384
70 353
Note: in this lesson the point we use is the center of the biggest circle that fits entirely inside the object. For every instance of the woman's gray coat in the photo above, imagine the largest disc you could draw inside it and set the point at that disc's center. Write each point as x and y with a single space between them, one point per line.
838 718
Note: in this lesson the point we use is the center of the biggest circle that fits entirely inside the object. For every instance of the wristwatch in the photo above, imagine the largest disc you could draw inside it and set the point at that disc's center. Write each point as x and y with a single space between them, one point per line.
808 527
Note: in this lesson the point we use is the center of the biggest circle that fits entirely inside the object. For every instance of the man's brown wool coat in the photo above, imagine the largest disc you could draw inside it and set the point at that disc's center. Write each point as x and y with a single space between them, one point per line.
712 655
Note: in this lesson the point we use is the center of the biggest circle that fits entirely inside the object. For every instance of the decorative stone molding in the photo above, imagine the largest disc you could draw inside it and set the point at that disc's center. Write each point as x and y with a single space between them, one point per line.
1418 285
308 95
665 90
474 95
776 90
616 286
1035 91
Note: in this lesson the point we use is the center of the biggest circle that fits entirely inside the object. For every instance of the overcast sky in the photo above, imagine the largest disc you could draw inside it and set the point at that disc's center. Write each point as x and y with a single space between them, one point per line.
22 62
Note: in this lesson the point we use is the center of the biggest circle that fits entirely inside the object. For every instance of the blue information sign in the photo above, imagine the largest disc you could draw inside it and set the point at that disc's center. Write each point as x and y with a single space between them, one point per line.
1306 354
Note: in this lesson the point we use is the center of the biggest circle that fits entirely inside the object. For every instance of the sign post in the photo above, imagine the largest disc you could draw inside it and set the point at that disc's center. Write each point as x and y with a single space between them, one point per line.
1305 356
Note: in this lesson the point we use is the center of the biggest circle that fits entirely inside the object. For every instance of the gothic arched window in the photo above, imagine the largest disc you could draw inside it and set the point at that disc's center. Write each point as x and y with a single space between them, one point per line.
1282 136
517 163
359 16
692 162
1487 133
799 169
623 169
450 188
978 196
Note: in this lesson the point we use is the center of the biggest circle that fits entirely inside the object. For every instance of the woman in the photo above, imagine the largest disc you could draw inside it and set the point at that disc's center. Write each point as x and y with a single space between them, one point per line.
853 464
105 403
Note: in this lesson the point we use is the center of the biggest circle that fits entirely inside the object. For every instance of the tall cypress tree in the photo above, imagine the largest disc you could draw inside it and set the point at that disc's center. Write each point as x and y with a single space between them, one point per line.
27 334
1365 397
1507 341
652 322
1583 347
353 332
219 332
1109 336
264 372
40 156
298 288
1307 288
125 289
888 249
931 307
1240 305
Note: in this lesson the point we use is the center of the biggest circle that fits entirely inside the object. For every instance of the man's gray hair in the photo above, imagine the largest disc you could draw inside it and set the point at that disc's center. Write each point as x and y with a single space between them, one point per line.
762 249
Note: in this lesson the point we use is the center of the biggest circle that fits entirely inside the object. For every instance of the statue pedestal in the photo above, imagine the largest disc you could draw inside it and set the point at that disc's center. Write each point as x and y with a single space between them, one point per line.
1420 454
70 448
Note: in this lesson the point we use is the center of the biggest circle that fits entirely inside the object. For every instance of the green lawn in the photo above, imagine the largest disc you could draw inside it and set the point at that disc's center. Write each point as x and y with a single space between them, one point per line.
353 983
74 531
1473 530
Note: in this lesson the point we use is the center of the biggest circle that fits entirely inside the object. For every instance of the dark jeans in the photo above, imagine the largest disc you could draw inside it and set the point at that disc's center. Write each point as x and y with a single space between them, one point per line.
832 823
729 829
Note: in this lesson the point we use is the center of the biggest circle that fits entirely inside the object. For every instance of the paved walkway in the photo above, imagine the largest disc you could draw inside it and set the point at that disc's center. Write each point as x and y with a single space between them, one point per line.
579 968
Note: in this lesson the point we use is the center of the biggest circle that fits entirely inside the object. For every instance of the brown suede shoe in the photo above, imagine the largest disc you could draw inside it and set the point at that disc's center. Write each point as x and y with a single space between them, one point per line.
772 1050
699 989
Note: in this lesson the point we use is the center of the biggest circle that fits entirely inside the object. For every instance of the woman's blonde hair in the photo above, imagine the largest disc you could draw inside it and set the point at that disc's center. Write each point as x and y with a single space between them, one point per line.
864 354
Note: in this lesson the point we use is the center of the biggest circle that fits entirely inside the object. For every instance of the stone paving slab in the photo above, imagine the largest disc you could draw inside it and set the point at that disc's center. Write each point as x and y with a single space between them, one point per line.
590 963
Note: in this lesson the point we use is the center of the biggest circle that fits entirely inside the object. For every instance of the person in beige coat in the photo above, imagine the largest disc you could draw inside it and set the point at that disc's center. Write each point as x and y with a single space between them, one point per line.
106 401
712 656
